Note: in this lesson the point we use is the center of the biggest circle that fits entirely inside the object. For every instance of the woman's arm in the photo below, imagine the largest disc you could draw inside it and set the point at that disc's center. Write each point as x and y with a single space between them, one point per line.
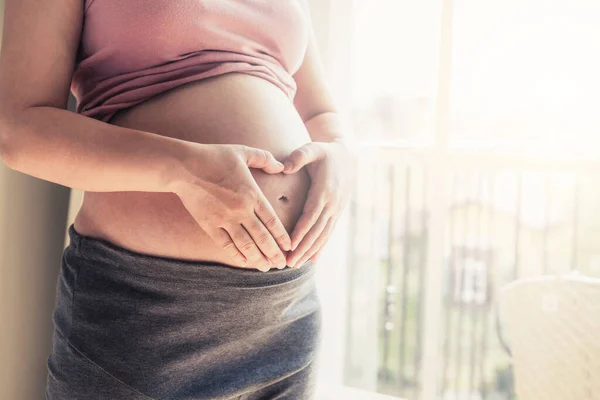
314 100
40 138
327 159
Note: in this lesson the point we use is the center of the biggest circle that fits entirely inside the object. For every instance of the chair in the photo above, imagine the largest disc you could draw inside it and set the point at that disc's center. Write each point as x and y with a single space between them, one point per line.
553 325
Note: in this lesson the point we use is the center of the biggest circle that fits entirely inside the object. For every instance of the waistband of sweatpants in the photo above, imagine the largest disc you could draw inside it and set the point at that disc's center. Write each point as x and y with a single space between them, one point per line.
123 260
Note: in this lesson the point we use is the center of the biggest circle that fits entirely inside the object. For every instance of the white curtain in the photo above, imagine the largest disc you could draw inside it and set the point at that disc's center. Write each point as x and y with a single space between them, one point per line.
333 23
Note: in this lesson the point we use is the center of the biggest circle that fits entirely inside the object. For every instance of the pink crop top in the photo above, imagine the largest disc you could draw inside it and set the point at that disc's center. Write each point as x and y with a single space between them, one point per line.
131 50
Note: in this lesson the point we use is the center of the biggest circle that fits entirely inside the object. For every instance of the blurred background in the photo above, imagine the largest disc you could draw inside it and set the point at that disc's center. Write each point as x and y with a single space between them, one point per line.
478 125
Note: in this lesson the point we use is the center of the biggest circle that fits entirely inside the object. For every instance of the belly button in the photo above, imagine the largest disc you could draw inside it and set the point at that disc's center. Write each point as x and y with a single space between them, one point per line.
283 198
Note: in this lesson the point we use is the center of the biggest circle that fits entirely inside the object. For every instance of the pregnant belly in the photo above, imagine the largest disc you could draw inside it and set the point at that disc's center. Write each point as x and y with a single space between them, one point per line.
229 109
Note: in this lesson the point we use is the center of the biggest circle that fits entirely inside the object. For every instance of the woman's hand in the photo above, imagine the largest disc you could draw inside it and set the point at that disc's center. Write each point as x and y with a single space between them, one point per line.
328 165
221 194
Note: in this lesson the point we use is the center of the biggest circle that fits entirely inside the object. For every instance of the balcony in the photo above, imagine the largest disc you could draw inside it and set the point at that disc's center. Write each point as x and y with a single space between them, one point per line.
433 237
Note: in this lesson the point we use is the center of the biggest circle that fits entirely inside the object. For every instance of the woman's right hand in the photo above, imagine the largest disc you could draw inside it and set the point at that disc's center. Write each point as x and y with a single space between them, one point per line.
221 194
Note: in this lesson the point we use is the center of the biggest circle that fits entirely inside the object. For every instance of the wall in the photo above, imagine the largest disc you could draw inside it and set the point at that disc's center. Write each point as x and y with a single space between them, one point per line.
32 225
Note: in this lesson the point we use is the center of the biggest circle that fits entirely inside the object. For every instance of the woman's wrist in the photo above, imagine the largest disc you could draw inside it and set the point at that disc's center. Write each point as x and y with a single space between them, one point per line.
328 126
331 127
181 160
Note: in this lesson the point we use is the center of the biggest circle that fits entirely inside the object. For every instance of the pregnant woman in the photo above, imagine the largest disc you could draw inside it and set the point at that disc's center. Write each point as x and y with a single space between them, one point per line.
214 168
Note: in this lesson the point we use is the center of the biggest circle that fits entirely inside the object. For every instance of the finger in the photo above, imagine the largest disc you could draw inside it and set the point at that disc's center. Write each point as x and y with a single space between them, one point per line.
323 239
312 210
310 238
265 241
303 155
319 243
265 212
224 241
245 244
261 159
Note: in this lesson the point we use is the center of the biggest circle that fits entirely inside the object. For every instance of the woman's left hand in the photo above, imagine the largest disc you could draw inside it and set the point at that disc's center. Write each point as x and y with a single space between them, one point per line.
328 165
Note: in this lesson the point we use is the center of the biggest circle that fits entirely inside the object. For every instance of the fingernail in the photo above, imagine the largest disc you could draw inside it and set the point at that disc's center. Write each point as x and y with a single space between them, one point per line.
288 166
280 165
275 264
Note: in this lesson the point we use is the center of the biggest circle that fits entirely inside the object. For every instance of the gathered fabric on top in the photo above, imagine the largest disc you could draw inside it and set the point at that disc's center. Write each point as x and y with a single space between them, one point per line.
131 50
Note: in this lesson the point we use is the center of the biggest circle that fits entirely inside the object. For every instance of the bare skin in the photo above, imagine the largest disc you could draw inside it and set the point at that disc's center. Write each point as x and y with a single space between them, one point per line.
153 178
228 109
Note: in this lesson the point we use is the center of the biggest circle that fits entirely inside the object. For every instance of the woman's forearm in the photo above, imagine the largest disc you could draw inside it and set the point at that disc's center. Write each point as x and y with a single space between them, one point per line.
72 150
328 126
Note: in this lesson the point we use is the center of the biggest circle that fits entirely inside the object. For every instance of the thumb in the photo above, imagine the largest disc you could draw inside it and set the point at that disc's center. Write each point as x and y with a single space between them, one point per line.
303 155
261 159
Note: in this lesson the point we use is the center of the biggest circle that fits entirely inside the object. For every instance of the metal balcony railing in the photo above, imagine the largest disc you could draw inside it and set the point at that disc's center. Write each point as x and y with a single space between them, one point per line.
502 217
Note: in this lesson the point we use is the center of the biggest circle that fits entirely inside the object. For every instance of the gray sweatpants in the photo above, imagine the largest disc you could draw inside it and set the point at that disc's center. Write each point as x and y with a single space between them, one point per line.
137 326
